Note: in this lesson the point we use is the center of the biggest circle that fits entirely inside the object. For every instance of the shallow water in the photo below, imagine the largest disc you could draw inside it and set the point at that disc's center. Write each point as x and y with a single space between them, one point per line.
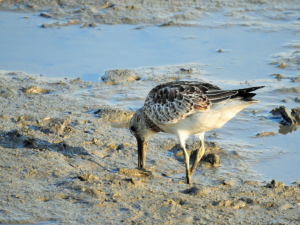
87 53
73 52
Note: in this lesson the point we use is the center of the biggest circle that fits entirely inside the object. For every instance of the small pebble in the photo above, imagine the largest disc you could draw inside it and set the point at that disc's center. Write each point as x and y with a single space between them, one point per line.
282 65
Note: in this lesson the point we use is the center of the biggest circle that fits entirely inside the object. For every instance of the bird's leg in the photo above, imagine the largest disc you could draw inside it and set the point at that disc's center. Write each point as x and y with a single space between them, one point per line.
187 165
200 153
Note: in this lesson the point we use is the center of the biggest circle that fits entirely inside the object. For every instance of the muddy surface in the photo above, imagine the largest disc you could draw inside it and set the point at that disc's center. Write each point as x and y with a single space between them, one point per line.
67 156
163 13
74 161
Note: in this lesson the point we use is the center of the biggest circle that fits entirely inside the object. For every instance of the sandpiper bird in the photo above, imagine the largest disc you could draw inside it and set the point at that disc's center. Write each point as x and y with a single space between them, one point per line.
185 108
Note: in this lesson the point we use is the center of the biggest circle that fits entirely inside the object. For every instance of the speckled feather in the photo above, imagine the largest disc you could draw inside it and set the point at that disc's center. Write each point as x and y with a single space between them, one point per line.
173 101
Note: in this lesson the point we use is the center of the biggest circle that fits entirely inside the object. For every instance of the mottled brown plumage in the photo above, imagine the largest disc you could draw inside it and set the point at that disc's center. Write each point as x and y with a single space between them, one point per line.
170 102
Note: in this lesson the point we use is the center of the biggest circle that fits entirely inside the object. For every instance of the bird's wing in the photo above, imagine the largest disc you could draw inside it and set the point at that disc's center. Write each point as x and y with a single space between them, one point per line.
173 101
170 102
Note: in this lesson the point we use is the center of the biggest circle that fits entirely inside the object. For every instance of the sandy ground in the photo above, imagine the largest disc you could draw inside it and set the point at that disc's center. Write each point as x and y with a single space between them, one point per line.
74 162
69 159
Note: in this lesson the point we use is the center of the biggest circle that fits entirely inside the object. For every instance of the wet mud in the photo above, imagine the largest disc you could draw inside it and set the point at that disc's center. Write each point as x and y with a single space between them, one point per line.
291 118
89 13
68 162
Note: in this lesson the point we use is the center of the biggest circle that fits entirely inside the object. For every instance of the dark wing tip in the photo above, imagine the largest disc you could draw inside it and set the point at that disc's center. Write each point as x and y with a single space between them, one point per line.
245 93
255 88
247 90
220 95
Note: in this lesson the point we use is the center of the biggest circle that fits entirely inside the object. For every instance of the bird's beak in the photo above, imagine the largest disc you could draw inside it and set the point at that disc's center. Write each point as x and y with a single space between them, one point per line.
142 148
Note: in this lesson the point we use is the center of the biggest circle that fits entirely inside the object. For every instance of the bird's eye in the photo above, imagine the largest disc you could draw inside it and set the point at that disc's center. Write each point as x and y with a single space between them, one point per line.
132 129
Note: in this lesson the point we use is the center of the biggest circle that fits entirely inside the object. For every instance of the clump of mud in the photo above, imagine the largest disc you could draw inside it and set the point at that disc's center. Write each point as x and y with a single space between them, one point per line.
296 79
197 191
187 71
118 118
289 59
88 177
275 184
136 173
35 90
264 134
290 90
68 23
291 118
210 158
170 23
55 126
119 76
6 92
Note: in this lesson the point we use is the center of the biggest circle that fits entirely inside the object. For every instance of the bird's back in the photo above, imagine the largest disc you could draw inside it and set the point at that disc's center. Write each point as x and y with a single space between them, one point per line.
172 102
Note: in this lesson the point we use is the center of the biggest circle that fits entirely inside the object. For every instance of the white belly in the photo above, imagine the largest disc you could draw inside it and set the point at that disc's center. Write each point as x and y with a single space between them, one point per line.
204 121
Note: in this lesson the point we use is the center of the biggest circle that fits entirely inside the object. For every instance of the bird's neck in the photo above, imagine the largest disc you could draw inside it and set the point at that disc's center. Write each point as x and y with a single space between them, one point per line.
152 126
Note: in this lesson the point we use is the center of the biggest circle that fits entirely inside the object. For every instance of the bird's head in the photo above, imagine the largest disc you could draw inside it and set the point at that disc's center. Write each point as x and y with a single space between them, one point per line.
139 127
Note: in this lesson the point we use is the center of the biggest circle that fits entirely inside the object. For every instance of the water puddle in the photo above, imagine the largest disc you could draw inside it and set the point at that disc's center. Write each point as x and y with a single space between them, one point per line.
73 52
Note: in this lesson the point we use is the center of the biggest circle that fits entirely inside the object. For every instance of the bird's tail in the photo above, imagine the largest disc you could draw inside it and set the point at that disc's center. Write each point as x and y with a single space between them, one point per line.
245 93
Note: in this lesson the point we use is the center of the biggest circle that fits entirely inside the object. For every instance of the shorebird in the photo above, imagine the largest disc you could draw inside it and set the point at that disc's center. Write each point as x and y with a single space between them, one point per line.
185 108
